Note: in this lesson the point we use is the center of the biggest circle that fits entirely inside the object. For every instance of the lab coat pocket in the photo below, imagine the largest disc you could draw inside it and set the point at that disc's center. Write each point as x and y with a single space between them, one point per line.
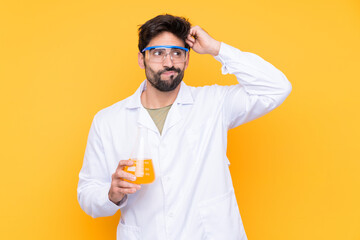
128 232
221 218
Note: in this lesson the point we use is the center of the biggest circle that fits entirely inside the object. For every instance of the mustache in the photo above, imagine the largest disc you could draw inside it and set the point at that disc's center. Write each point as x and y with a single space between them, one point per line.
166 69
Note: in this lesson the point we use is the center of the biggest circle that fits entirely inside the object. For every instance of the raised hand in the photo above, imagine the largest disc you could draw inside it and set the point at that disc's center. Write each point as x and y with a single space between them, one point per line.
201 42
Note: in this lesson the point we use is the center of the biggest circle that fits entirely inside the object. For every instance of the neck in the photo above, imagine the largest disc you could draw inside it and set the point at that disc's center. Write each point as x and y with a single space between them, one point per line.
153 98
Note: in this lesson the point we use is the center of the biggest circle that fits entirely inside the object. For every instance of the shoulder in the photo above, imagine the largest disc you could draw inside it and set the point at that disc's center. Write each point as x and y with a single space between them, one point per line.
112 111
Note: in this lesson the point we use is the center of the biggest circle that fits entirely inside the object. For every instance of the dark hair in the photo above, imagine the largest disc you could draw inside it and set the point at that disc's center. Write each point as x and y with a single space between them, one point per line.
178 26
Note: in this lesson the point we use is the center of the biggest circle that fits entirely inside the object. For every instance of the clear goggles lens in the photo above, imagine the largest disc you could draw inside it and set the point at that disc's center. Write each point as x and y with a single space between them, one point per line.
158 54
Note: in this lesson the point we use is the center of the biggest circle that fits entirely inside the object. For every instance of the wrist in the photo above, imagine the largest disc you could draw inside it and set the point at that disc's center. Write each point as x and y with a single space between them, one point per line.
123 199
116 200
216 48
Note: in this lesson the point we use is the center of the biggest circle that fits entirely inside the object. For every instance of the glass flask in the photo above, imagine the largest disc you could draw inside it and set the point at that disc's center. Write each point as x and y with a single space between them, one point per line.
141 156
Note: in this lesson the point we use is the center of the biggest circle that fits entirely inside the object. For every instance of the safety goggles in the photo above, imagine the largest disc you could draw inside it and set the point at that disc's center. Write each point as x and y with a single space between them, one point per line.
158 54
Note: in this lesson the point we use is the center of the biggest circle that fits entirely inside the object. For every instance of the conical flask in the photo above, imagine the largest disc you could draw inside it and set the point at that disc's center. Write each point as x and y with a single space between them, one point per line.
141 156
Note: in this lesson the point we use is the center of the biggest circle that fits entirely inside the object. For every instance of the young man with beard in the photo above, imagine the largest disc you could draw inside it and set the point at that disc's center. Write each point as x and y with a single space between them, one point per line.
192 196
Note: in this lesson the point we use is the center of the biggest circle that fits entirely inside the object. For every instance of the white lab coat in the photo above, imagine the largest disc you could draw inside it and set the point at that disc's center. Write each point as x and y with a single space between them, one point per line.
192 196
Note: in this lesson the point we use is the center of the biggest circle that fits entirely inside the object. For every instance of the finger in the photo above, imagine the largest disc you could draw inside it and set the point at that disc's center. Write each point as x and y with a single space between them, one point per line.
190 38
194 35
124 184
191 44
195 31
124 163
126 190
125 175
120 174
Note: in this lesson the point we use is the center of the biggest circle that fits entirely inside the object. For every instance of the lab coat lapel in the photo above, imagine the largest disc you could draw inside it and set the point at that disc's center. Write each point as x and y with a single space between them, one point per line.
172 118
145 120
175 114
134 104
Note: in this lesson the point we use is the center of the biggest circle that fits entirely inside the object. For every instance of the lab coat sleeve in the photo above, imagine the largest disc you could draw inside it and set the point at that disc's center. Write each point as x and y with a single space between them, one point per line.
261 86
95 178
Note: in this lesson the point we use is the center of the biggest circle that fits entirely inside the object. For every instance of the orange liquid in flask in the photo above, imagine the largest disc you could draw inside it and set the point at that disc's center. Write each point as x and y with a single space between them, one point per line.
143 170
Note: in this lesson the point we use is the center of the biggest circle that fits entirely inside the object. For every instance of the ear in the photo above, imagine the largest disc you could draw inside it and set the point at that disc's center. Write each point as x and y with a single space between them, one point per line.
187 61
141 60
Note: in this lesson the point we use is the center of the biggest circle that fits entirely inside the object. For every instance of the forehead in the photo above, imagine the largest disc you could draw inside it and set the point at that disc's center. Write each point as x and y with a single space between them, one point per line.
166 38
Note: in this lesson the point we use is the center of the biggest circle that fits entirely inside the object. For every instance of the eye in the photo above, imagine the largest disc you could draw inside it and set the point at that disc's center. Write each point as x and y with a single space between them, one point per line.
177 53
157 52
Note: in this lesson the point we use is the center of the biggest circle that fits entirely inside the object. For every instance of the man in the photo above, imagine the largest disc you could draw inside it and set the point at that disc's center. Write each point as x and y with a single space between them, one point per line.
192 196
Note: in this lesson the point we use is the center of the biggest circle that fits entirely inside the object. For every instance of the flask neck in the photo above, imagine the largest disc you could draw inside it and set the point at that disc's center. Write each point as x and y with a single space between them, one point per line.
141 149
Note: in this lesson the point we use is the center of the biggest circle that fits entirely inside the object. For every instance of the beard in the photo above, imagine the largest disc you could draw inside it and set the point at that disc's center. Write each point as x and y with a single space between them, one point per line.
164 85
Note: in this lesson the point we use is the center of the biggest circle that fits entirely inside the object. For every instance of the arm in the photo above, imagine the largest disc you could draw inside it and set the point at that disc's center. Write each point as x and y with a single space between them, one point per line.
101 194
261 86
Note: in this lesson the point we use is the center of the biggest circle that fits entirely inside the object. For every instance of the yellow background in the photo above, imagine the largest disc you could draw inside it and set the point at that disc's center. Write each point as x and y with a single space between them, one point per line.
295 170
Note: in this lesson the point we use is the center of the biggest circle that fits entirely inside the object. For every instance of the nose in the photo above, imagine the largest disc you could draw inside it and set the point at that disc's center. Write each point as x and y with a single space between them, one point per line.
167 62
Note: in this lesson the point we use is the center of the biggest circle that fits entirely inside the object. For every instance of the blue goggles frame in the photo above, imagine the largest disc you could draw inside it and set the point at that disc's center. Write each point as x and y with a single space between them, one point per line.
164 46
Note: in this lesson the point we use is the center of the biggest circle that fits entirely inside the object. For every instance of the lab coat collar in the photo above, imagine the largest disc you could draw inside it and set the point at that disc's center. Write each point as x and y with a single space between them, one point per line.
184 96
